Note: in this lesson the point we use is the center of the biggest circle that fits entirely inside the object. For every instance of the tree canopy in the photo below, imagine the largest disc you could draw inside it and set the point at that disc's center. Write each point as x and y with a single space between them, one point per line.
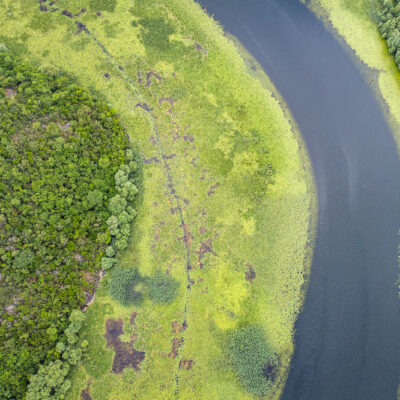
59 154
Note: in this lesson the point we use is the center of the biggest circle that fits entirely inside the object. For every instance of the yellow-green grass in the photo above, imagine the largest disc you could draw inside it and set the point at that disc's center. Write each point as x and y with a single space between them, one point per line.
353 21
224 125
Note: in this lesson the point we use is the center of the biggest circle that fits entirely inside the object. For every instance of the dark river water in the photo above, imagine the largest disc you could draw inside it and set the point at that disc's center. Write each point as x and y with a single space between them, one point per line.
348 335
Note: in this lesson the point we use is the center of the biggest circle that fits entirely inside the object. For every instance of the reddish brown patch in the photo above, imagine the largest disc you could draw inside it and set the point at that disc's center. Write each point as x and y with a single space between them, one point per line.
149 75
205 247
125 354
187 235
132 319
10 93
186 364
150 160
176 344
211 191
177 327
169 100
188 138
157 234
250 274
85 395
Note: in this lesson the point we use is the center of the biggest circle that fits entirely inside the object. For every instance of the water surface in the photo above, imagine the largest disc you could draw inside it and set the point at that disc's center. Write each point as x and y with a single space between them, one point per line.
348 335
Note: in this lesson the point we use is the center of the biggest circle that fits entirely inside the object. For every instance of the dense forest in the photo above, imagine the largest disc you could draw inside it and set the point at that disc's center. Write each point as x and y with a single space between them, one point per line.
67 184
388 16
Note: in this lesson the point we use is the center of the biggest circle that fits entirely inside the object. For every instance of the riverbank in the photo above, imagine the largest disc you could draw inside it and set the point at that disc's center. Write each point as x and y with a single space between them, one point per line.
352 21
342 334
226 203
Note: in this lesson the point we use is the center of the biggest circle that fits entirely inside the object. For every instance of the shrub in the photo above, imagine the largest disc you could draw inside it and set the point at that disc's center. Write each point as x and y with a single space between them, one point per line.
122 285
50 382
162 288
107 262
252 359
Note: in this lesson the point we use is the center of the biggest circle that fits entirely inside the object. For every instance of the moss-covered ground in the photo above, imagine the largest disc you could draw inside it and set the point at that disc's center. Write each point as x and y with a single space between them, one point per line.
226 198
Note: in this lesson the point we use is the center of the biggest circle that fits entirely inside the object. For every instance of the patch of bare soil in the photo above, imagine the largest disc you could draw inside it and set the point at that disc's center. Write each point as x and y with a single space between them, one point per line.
186 364
188 236
205 247
250 274
145 106
211 191
85 395
150 160
125 354
177 327
10 93
176 344
133 318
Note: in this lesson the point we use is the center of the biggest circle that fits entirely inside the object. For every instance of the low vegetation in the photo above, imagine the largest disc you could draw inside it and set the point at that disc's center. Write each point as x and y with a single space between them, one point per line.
122 285
252 359
60 150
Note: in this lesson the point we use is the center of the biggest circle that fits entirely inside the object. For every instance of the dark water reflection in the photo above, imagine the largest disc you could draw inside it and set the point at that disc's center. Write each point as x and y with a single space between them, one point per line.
348 336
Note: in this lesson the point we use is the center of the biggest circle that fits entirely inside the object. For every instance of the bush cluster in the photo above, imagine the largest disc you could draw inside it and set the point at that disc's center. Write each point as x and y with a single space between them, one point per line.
252 358
60 157
122 285
122 213
388 15
51 381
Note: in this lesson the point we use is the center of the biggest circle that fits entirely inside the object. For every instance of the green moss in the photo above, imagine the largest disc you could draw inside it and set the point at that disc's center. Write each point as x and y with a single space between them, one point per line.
103 5
162 288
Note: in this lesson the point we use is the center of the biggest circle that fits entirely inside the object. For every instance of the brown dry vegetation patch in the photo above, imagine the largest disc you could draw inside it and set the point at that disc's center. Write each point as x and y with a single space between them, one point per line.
149 75
176 344
177 327
169 100
133 318
85 395
186 364
125 354
250 274
211 191
188 238
205 247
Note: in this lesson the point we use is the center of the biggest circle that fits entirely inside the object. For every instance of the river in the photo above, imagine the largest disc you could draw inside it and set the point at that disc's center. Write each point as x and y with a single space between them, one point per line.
348 334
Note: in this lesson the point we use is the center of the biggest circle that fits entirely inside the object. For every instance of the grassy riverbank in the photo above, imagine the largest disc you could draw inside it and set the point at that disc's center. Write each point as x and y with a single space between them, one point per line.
226 203
353 22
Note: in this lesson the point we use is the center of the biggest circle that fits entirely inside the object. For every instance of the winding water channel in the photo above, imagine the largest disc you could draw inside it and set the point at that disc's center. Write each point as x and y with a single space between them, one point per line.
348 335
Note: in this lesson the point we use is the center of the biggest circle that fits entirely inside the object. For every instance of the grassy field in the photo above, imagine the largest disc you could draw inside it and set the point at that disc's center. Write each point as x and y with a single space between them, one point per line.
353 21
212 214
